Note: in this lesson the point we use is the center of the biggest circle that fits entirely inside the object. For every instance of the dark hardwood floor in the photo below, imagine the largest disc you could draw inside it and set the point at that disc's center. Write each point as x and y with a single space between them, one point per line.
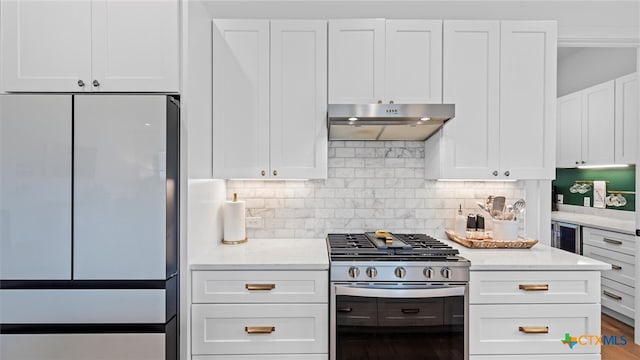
631 351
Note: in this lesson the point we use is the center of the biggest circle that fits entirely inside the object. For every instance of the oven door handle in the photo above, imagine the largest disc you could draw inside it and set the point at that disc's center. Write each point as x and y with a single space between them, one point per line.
377 292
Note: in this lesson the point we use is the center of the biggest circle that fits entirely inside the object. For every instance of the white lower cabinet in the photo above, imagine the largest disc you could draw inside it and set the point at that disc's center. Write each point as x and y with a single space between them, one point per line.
527 314
261 315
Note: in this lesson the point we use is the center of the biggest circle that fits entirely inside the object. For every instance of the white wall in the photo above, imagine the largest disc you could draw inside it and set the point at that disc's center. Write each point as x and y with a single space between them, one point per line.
580 68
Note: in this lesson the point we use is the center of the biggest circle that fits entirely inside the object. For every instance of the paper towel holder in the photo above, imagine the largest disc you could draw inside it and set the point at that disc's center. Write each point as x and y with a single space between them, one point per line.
235 242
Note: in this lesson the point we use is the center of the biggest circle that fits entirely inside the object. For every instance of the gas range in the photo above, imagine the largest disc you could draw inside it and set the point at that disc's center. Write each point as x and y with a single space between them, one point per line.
406 258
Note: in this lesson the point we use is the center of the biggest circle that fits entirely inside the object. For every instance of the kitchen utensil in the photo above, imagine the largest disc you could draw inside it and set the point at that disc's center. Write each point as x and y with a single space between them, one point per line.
484 207
489 203
518 207
498 207
509 214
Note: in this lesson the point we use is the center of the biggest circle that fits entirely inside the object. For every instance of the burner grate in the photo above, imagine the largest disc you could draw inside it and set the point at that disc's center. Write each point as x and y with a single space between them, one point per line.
406 246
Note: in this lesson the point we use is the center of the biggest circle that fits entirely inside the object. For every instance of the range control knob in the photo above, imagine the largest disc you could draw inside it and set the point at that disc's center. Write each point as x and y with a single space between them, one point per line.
372 272
354 272
428 272
446 272
400 272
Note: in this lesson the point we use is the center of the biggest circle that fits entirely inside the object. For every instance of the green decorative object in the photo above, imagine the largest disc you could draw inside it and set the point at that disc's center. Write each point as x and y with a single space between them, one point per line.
618 179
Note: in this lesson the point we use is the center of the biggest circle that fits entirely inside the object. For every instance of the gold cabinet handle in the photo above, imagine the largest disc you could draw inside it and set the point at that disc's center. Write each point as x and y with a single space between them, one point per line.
262 287
612 295
534 287
275 173
259 329
263 173
614 242
534 329
616 267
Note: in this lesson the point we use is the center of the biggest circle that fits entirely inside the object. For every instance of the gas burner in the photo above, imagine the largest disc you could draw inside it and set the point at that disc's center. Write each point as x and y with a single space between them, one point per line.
405 246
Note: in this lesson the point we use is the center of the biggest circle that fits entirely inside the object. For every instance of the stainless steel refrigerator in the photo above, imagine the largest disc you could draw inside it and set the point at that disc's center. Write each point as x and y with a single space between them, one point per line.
89 215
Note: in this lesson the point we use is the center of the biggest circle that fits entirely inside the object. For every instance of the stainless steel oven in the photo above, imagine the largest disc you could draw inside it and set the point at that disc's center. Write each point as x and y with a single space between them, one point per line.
399 306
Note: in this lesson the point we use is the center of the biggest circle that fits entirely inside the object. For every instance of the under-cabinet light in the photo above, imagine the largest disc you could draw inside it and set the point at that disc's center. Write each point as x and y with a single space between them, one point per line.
602 166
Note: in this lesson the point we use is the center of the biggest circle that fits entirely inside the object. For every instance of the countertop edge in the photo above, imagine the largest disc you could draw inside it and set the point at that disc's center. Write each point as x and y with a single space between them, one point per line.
270 267
621 225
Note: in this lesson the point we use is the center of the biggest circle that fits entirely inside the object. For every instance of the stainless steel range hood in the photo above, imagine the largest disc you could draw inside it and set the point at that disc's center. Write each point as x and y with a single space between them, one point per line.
386 121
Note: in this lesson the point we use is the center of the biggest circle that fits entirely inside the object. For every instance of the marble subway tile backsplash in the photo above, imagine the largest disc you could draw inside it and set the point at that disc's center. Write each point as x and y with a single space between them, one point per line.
371 185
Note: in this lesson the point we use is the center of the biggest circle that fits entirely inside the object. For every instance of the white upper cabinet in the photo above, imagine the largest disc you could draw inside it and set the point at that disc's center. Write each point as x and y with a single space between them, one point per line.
587 125
569 134
240 71
505 117
82 46
298 143
626 123
269 99
373 60
528 54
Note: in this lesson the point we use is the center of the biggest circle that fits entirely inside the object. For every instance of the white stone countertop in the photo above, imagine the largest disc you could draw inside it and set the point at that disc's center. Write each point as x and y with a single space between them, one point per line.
266 254
539 257
602 222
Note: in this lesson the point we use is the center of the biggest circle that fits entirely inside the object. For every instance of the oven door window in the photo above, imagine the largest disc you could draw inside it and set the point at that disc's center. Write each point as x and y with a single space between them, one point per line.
399 328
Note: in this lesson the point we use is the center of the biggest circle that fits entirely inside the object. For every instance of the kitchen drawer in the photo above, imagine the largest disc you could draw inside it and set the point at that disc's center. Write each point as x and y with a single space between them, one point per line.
223 329
356 311
494 329
82 346
501 287
265 357
623 265
260 286
410 312
537 357
611 291
611 240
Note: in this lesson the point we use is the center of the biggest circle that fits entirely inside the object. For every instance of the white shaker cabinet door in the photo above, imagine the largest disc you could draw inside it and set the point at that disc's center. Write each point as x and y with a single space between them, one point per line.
46 45
598 121
470 141
298 99
413 61
527 99
135 45
120 187
35 187
356 61
240 98
569 131
626 113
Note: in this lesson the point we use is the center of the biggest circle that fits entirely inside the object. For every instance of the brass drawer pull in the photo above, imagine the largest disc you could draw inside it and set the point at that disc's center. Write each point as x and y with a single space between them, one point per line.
534 287
534 329
614 242
266 287
616 267
259 329
612 295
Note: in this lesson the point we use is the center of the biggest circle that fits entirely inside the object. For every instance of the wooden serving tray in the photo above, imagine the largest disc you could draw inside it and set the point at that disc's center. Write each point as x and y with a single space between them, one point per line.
491 243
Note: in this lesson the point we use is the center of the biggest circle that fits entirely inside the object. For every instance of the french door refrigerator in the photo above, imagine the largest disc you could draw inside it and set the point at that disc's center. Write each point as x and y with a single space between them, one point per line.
89 227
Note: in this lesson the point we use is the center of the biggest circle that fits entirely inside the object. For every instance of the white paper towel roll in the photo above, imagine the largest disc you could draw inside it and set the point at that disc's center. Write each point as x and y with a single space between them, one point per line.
234 221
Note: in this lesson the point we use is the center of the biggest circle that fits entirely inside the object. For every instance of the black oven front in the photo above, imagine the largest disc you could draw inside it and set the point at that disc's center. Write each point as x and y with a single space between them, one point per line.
399 321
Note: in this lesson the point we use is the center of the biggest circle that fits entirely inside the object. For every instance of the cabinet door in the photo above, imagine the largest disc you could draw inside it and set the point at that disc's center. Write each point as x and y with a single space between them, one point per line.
626 113
135 45
298 99
470 140
569 130
35 187
598 124
356 61
240 98
413 61
120 187
527 99
46 45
